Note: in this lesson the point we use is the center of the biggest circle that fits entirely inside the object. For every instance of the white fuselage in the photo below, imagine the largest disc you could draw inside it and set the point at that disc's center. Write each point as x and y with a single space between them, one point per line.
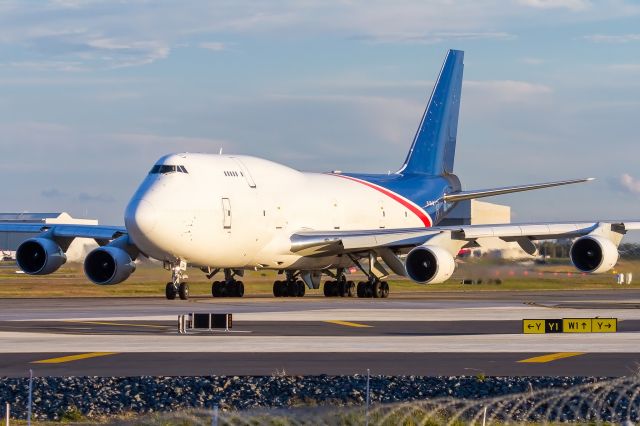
240 212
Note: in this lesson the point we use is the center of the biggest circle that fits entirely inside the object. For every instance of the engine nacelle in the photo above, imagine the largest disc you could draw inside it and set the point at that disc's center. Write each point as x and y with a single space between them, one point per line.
593 254
429 264
108 265
40 256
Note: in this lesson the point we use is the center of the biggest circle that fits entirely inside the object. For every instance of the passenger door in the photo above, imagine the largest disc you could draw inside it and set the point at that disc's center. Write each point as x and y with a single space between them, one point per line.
226 213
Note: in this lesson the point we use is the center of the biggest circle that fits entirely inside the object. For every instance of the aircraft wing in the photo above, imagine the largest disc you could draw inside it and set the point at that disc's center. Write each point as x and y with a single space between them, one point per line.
97 232
337 242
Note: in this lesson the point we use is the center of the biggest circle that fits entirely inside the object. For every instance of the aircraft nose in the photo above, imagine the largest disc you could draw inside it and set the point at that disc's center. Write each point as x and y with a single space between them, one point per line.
141 216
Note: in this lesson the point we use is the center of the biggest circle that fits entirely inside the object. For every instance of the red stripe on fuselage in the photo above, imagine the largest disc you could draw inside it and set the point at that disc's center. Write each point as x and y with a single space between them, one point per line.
415 210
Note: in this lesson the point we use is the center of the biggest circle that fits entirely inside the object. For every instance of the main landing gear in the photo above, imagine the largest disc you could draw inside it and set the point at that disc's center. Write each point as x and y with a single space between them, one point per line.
230 287
373 288
291 287
340 287
177 287
343 288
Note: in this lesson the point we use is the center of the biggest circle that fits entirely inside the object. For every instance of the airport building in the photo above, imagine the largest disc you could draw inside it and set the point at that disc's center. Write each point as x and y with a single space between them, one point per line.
474 212
9 241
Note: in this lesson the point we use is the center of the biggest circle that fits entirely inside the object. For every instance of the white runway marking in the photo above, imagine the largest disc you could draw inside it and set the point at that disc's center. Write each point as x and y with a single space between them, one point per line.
13 342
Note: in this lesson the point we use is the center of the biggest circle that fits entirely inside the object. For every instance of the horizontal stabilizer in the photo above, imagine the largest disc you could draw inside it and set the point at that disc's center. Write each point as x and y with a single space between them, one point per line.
468 195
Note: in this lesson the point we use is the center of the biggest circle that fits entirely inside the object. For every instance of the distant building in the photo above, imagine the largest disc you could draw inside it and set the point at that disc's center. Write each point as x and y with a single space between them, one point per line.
474 212
9 241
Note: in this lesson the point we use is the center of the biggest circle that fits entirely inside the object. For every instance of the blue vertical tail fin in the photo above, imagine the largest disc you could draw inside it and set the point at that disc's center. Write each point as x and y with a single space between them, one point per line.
434 145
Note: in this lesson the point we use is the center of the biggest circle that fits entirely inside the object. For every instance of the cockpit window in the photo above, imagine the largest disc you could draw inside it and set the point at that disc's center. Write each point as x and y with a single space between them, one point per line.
165 168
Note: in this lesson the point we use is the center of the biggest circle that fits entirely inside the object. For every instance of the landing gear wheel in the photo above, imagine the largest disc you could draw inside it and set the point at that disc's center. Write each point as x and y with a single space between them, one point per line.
368 289
377 289
170 291
239 289
215 289
361 289
183 291
335 288
301 288
276 289
385 289
292 289
342 288
326 289
351 288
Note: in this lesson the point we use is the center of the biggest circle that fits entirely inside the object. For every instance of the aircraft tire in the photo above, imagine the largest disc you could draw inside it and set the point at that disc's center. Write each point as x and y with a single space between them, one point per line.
215 289
385 289
376 289
368 292
276 289
292 288
170 291
351 289
239 289
301 288
342 288
183 291
325 289
361 289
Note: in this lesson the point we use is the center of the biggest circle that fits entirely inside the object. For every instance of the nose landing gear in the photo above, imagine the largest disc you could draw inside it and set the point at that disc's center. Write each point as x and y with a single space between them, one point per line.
177 287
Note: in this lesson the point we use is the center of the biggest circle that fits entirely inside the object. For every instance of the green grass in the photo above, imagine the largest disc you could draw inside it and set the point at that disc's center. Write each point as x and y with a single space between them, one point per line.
150 280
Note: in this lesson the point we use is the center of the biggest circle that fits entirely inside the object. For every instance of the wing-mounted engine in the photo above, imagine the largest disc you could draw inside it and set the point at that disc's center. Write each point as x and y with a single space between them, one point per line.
40 256
427 264
593 254
111 264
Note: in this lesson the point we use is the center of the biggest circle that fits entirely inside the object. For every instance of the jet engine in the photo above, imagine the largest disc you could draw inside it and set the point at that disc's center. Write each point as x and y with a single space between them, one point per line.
40 256
108 265
593 254
429 264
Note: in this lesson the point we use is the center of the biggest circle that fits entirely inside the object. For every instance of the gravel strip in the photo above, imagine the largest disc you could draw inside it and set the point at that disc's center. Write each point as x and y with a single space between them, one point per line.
56 398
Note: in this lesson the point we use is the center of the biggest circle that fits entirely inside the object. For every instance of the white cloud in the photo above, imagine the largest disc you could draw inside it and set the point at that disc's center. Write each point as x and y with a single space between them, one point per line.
557 4
439 37
612 38
532 61
629 184
47 65
215 46
625 67
508 90
122 53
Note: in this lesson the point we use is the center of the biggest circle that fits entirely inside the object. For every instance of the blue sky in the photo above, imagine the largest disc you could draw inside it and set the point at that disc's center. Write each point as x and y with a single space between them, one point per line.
93 92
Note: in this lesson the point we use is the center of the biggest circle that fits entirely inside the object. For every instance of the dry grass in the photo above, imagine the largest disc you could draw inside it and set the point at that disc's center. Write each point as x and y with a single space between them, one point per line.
150 281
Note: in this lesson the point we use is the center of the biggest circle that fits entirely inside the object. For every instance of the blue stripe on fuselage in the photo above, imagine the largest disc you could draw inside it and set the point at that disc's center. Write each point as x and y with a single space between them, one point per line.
423 190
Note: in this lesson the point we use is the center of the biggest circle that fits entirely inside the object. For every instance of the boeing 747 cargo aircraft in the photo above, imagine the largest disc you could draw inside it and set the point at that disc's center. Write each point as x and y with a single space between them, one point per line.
238 213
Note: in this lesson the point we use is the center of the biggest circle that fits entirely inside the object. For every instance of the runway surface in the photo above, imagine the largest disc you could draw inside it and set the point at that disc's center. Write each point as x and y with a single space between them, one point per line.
467 333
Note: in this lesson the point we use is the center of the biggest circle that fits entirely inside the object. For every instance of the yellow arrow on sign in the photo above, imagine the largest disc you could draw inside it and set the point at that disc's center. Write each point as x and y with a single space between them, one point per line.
576 325
533 326
604 325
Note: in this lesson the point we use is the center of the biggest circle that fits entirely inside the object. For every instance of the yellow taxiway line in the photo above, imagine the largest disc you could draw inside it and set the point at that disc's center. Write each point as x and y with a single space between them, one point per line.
348 324
70 358
551 357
